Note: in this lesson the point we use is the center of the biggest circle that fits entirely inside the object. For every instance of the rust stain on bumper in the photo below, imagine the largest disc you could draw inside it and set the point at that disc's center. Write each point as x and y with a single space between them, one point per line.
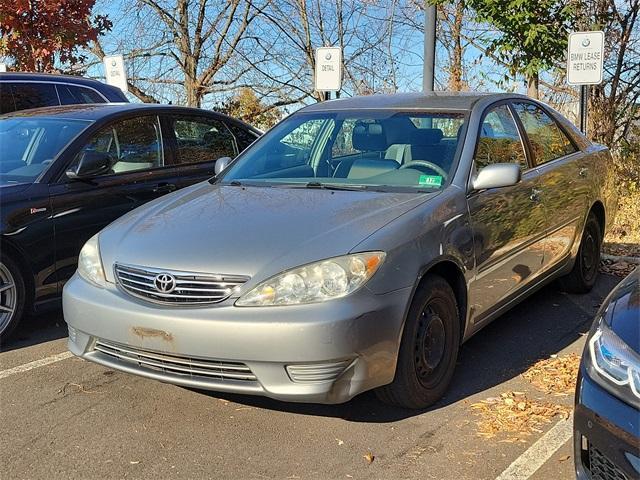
143 333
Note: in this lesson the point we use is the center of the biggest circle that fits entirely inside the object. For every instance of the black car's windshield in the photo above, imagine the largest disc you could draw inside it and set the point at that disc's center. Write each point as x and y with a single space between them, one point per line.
368 149
28 145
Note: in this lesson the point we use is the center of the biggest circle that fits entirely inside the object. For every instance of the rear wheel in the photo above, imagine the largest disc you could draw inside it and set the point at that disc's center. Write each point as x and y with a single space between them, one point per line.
12 296
429 347
585 271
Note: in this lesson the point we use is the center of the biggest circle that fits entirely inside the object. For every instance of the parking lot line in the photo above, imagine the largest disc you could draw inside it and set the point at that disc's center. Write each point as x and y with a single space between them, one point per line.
537 454
36 364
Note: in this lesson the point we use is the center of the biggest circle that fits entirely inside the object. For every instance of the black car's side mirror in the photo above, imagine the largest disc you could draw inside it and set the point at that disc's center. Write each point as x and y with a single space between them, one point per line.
91 163
221 164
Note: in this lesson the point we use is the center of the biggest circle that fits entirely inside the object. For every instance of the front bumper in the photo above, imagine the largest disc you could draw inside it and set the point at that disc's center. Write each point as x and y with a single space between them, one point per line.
606 434
320 353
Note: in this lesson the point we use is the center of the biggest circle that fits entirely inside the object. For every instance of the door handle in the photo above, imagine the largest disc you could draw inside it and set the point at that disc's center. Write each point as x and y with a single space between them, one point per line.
535 195
164 188
583 172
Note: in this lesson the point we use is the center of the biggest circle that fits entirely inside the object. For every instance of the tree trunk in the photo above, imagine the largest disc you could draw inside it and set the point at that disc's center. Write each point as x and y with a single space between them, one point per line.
532 86
456 83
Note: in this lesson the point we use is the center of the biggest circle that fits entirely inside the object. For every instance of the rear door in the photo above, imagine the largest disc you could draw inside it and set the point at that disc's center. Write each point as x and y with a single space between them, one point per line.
508 223
197 141
141 172
564 182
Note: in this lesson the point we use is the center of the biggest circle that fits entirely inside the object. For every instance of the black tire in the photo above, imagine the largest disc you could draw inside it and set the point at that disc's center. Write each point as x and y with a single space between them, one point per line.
585 270
429 347
15 297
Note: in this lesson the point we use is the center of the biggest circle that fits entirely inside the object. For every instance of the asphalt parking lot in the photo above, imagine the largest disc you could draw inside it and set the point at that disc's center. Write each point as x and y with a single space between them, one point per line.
66 418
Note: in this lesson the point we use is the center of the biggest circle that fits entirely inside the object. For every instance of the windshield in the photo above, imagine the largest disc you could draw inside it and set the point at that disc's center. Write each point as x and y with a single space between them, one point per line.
29 144
379 150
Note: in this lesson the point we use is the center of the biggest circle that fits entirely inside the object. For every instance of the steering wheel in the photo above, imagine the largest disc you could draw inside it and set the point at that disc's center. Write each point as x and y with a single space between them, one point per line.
424 163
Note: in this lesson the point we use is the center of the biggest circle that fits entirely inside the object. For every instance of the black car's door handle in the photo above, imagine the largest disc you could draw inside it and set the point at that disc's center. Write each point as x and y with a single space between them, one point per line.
164 188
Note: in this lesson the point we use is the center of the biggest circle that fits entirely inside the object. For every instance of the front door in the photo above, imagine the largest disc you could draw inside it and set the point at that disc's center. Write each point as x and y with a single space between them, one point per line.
140 173
508 223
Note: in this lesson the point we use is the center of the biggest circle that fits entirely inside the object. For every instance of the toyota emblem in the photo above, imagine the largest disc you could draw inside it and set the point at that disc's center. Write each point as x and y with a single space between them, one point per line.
164 282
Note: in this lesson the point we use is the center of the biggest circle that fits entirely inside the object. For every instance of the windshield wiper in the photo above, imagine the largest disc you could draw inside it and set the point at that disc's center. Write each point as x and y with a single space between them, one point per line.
333 186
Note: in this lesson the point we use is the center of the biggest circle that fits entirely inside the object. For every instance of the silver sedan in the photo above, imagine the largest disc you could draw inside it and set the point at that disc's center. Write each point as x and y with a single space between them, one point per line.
355 246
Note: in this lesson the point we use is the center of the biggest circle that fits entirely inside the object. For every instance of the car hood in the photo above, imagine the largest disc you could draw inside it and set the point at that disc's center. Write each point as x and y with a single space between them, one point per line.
623 314
248 230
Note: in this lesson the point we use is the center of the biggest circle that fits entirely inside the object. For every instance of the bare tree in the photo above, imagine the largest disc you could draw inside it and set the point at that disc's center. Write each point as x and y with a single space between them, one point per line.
295 28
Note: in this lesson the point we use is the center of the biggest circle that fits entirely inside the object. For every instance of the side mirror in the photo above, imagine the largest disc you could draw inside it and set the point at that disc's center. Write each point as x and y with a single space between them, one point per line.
497 175
221 164
91 163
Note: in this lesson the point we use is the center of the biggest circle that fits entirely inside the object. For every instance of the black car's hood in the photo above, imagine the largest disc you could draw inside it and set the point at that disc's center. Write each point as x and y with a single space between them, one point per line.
623 314
246 230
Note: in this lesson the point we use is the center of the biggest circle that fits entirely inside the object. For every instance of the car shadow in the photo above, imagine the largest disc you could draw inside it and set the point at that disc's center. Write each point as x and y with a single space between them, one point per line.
37 328
542 325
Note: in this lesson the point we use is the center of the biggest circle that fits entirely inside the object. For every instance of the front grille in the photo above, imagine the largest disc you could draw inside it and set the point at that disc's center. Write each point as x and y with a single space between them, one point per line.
601 468
190 287
177 364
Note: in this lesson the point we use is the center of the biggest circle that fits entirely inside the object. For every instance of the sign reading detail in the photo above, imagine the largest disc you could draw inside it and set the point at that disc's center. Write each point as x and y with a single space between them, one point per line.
328 75
114 71
585 57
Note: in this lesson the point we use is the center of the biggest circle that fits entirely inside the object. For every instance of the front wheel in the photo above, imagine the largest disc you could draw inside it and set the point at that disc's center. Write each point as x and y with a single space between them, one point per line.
585 271
12 296
429 347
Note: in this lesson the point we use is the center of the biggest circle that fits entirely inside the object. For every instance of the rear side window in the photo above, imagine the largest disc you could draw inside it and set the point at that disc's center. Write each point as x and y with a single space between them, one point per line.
34 95
6 98
499 140
547 140
72 94
200 139
244 136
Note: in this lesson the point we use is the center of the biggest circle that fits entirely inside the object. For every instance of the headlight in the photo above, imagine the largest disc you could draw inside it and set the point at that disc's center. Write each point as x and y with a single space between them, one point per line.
614 365
90 264
316 282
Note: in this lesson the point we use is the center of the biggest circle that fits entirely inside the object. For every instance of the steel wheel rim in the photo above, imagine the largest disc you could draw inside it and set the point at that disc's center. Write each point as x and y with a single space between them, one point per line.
589 256
430 344
8 297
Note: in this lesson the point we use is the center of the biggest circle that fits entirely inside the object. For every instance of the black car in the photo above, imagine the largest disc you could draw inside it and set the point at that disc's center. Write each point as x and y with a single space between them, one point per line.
68 171
20 91
607 414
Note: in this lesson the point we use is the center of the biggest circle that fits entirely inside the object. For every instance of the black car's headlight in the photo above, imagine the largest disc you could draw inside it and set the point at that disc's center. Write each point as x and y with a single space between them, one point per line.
614 365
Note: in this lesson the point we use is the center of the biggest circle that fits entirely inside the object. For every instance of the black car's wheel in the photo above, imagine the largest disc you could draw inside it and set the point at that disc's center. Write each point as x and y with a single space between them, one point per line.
429 347
585 271
12 296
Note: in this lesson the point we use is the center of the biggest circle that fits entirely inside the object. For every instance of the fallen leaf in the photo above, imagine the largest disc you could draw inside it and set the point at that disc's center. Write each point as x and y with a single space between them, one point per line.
134 462
564 458
340 442
369 457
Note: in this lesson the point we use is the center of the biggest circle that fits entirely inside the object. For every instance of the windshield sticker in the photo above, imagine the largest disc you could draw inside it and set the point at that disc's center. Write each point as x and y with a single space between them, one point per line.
430 180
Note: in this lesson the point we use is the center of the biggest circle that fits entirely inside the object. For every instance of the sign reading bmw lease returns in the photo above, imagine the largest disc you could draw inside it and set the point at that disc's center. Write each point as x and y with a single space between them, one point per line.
328 75
114 71
585 57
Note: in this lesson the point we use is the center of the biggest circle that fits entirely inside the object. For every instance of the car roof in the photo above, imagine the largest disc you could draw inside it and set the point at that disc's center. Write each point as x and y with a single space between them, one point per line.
104 111
49 77
410 101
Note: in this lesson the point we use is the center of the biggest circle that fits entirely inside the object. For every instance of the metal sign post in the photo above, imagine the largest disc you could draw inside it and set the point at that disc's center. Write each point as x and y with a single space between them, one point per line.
585 58
115 72
328 74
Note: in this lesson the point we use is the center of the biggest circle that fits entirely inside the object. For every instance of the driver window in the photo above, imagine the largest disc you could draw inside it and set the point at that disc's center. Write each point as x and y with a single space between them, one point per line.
134 144
499 140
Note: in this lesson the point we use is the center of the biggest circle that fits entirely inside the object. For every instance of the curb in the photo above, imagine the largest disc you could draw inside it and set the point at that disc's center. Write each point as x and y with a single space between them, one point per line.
616 258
